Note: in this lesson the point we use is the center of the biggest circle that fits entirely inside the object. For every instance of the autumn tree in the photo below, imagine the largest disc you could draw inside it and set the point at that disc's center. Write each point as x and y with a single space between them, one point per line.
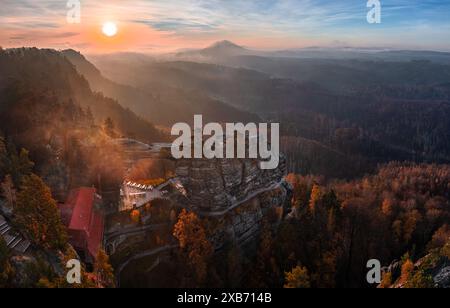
103 271
194 243
316 195
320 226
407 271
300 190
403 207
37 214
386 282
135 216
386 207
298 278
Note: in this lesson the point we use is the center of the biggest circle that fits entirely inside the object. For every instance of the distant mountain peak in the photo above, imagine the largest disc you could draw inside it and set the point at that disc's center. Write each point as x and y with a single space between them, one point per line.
223 49
226 44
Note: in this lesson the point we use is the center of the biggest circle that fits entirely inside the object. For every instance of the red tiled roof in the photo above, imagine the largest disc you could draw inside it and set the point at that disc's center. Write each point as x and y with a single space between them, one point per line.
84 221
82 200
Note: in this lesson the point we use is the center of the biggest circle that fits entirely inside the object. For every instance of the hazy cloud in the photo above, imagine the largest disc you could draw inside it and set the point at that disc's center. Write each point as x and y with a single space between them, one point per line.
322 20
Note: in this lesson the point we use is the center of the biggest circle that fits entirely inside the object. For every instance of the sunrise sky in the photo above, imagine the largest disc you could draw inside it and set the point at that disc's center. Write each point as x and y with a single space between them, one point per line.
166 25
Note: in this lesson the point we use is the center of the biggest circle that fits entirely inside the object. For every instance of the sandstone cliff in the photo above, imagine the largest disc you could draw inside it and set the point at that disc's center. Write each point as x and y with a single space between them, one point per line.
235 195
218 185
234 198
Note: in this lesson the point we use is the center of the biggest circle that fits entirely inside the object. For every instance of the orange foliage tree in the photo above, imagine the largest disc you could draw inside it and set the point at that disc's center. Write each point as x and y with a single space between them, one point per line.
194 243
37 214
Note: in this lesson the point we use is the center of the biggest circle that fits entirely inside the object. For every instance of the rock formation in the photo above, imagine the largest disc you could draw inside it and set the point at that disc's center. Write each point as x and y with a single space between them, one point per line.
235 195
219 185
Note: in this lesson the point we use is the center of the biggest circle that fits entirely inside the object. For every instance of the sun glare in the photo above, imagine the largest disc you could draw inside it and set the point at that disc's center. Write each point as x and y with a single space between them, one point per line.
109 29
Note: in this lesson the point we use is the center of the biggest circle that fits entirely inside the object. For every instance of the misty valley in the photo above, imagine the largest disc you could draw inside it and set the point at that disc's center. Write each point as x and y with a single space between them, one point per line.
88 171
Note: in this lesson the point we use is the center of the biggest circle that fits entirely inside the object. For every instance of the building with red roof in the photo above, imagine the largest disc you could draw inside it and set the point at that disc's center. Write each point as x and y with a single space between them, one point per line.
84 220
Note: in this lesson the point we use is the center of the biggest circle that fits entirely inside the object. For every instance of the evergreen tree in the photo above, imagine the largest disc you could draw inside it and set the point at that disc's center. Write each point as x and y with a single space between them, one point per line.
16 164
265 272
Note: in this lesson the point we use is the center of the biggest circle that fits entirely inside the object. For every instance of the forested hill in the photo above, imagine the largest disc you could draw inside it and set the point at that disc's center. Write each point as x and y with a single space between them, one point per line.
35 82
161 102
340 119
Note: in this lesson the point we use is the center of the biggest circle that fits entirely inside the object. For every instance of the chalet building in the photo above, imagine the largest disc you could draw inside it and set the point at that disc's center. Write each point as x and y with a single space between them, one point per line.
84 219
136 195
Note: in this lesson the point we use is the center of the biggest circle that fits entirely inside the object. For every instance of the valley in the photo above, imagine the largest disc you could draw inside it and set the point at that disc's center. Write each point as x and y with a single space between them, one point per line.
363 170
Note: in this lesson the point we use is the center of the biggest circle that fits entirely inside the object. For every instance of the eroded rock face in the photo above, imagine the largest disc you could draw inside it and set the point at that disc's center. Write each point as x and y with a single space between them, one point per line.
242 225
219 185
442 278
236 196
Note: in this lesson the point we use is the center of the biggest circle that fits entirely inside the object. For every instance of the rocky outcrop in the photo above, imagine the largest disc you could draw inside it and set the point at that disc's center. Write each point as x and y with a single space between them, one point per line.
219 185
442 277
234 198
235 195
243 224
431 271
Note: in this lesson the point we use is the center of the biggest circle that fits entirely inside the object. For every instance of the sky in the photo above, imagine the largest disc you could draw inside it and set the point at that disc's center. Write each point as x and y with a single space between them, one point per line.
167 25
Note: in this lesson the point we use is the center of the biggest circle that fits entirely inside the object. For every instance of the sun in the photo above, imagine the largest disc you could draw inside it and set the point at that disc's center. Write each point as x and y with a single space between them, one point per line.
109 29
